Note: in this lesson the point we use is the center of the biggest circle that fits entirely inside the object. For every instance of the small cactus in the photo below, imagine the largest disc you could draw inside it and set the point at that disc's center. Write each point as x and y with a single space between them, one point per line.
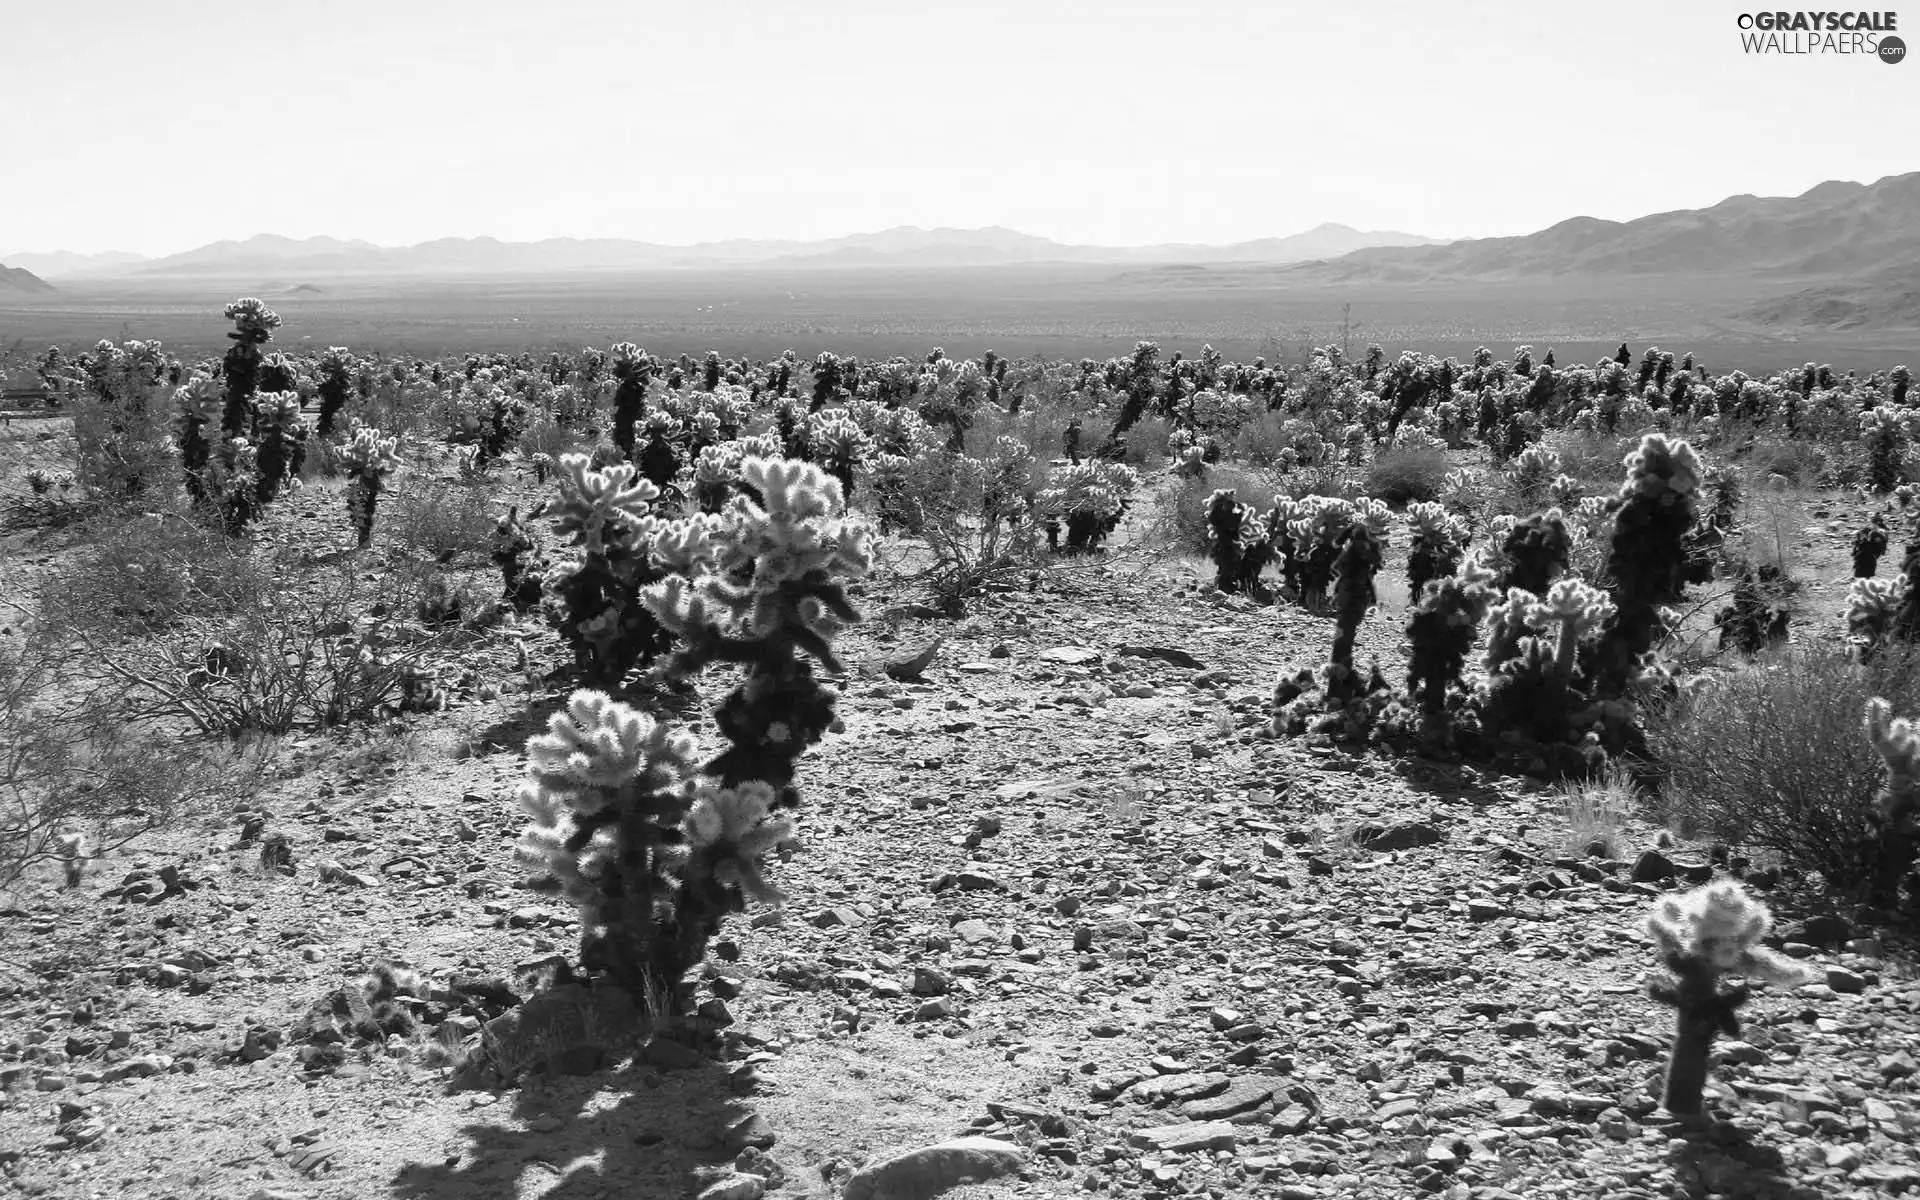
1700 937
1895 818
368 458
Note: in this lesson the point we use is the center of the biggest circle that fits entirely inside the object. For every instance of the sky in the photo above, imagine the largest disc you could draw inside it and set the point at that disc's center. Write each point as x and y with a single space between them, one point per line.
158 125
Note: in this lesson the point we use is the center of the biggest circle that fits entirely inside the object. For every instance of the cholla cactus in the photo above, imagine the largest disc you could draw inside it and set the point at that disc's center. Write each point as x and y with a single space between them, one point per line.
368 458
633 368
1089 498
283 442
1868 545
1895 818
1356 563
513 551
1883 429
774 590
1227 522
1345 699
254 324
839 445
1439 539
198 404
608 516
1873 611
608 791
1533 656
1647 561
1701 936
336 386
1532 471
1441 628
1315 528
660 439
1535 550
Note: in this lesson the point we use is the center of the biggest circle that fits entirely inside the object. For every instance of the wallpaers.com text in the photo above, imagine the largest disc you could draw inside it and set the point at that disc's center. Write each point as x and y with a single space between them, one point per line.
1796 33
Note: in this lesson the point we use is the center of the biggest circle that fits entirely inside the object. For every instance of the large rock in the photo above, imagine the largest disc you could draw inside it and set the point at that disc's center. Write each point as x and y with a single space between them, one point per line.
926 1172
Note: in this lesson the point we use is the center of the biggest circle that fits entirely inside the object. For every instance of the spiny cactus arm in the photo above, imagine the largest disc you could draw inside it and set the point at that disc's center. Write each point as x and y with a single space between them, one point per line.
729 832
599 748
1898 741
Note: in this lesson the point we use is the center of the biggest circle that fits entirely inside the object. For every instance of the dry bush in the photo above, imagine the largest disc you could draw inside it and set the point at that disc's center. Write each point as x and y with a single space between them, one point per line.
1041 428
440 522
1147 442
150 572
327 649
1401 474
544 435
74 763
1797 460
1263 440
1181 517
1774 756
972 517
1596 460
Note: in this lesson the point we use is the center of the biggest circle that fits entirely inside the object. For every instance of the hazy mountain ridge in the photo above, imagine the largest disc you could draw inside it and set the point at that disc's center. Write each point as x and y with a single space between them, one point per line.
902 246
19 279
65 262
1833 228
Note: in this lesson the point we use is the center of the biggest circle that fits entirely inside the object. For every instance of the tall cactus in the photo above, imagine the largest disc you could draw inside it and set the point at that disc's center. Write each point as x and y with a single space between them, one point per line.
655 850
1648 555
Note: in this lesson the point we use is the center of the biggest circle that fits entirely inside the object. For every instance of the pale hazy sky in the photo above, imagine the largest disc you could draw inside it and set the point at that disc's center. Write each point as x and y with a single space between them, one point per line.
157 125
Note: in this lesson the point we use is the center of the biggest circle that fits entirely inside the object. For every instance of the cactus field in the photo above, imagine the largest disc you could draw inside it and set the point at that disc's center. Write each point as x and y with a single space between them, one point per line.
661 772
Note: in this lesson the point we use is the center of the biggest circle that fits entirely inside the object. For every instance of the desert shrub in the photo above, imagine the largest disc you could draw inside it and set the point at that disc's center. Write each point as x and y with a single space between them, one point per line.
1147 441
332 648
441 523
1180 520
973 514
149 573
1402 474
77 779
1591 459
1798 461
1773 756
544 435
1264 441
1040 427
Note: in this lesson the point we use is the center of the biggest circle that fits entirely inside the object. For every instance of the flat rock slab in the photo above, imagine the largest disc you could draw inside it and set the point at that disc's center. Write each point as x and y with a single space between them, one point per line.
1187 1137
1242 1095
1188 1085
1073 656
924 1173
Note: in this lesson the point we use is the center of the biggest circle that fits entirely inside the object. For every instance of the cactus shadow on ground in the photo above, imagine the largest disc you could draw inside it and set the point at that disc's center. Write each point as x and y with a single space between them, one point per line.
638 1131
1719 1159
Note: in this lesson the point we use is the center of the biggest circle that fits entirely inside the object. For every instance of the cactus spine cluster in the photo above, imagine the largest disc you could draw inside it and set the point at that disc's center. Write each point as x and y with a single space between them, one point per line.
608 518
1702 936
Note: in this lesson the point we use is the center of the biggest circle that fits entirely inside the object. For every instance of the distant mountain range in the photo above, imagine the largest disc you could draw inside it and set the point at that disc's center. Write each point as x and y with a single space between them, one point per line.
65 262
1831 230
19 279
905 246
1840 256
